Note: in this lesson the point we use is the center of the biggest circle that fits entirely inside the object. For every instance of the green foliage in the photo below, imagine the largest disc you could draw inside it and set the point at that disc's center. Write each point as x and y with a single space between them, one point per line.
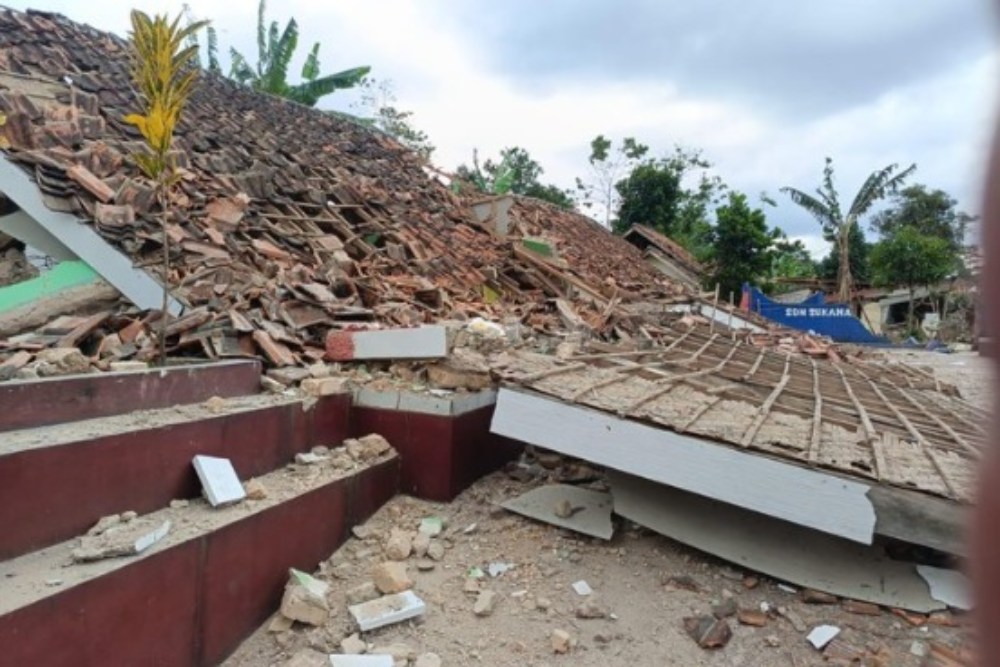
211 63
907 257
164 73
654 194
275 49
741 245
789 259
931 212
858 251
378 109
825 207
516 172
910 258
607 167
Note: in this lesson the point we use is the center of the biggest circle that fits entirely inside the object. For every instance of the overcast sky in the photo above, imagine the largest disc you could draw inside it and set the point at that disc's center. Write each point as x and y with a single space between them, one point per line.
765 89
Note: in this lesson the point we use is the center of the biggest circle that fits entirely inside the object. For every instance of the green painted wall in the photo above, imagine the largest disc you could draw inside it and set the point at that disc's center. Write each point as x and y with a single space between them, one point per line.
62 276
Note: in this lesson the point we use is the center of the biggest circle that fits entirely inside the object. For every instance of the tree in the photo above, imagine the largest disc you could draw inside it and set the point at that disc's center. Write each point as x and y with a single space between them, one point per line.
858 251
909 258
275 49
826 209
931 212
654 194
607 167
164 73
211 62
378 104
741 244
515 171
649 195
790 259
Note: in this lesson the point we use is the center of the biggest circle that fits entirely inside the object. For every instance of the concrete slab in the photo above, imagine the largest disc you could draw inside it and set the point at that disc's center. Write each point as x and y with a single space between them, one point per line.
218 480
387 610
413 343
811 498
779 549
589 511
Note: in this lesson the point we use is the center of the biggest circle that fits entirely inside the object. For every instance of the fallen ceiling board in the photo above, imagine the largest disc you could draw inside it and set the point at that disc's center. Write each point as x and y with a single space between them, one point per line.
778 549
591 510
23 227
809 498
83 241
948 586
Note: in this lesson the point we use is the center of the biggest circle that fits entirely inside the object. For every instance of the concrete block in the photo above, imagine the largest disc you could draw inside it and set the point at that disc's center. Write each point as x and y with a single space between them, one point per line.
361 661
387 610
218 480
305 599
326 386
391 577
428 342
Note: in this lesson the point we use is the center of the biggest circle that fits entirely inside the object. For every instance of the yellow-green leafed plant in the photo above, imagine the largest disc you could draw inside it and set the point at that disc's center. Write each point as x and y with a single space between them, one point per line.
164 69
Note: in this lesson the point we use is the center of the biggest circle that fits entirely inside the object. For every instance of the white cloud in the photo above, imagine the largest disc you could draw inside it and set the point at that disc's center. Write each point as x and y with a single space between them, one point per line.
439 67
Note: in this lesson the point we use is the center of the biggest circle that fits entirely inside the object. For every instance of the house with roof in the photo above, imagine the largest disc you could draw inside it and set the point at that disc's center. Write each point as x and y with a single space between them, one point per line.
666 255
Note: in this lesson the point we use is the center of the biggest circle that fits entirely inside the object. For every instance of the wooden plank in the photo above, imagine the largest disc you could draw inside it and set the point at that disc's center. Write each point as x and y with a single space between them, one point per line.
813 498
765 408
817 420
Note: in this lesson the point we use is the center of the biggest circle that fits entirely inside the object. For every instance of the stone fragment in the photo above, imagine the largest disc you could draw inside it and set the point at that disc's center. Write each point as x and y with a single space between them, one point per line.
362 593
753 617
305 599
391 577
428 660
810 596
399 545
280 623
436 550
485 603
308 657
861 608
708 631
425 565
353 645
120 539
822 634
792 617
421 543
561 641
325 386
367 448
724 609
431 526
255 489
590 608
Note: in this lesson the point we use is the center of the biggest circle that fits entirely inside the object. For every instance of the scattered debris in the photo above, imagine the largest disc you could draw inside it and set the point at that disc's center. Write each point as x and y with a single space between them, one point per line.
948 586
387 610
427 342
582 588
361 661
368 448
353 645
561 640
821 635
485 603
255 489
219 482
112 537
589 609
431 526
391 577
304 599
811 596
399 546
753 617
708 631
496 568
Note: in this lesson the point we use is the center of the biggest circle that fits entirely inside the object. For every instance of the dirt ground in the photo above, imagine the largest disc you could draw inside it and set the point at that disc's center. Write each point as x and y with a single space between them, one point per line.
644 586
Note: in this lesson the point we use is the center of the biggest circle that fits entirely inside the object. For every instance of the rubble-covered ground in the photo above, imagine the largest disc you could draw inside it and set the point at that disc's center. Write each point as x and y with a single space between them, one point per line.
644 586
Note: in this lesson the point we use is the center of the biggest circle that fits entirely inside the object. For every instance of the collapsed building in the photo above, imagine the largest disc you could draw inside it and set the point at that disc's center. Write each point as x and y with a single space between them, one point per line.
333 264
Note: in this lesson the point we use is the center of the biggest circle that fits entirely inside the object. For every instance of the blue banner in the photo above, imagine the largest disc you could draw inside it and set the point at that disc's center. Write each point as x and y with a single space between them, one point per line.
813 314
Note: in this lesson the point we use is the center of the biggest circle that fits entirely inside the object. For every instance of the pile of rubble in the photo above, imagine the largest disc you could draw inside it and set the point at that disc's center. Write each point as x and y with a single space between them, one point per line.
288 222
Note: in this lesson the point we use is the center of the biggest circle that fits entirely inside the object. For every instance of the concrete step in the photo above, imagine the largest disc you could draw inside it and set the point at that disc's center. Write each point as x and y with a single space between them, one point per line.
192 597
29 403
59 480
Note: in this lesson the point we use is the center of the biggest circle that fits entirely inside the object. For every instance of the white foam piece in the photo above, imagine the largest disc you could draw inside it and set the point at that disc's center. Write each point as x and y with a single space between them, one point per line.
218 480
387 610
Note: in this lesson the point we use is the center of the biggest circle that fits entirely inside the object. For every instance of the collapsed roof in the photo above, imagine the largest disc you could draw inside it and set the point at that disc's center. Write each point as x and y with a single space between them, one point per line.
287 220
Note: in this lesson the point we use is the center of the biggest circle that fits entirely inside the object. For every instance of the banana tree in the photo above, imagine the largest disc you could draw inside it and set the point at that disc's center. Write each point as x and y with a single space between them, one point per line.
826 209
275 48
